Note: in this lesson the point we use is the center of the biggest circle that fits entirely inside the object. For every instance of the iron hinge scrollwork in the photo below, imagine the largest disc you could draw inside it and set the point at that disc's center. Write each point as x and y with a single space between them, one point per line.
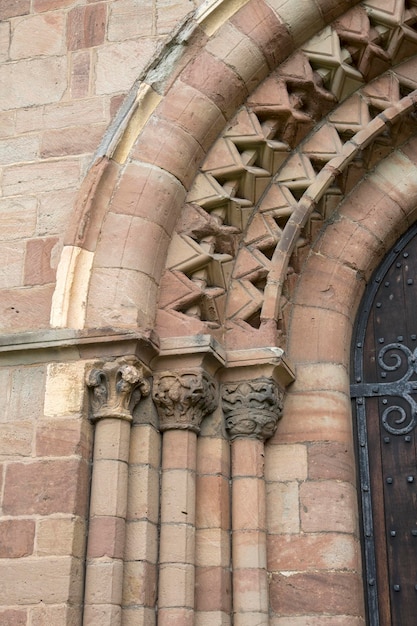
392 358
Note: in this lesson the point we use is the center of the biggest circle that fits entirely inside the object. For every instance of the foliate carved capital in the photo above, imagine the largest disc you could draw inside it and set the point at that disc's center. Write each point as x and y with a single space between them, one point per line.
252 408
183 399
115 388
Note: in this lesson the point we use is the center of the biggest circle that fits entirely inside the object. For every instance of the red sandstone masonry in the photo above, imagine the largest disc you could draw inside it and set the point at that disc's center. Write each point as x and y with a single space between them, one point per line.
154 146
257 20
216 489
328 416
16 538
141 542
142 184
108 537
45 615
40 264
331 285
26 309
80 74
68 141
315 551
16 439
13 8
121 297
331 9
308 593
45 487
239 52
216 81
50 5
63 437
213 577
86 26
328 506
331 461
322 620
60 536
351 243
325 335
13 617
38 35
213 589
92 204
145 244
194 112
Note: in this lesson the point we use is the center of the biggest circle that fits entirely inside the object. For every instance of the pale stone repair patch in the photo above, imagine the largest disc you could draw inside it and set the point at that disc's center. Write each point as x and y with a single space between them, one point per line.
72 281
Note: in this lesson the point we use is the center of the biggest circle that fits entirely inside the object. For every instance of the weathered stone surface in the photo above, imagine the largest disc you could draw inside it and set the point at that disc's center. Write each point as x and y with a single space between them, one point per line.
51 580
298 594
39 177
39 35
64 389
12 255
24 309
13 617
130 18
119 65
41 260
19 149
16 538
45 487
215 80
328 506
13 8
16 439
63 437
80 73
17 218
84 139
22 87
213 589
61 537
86 26
261 24
317 551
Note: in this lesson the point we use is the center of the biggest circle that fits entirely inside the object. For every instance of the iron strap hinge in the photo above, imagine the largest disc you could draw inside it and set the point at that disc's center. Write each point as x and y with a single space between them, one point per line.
369 390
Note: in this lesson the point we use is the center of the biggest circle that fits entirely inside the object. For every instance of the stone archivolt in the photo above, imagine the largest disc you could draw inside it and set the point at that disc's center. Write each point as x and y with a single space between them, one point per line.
281 167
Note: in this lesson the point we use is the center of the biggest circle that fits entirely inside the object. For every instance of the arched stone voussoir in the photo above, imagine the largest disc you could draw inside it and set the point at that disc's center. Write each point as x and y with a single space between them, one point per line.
216 60
344 256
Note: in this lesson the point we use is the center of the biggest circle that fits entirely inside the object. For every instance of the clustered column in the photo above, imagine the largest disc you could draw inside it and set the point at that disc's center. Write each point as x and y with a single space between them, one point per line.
252 409
115 388
183 398
252 404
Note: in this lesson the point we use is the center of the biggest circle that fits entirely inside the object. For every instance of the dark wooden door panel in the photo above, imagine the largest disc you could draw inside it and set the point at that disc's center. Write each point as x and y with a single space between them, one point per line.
384 392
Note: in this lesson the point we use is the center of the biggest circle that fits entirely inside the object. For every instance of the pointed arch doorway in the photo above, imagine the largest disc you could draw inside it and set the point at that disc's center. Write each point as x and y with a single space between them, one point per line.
384 394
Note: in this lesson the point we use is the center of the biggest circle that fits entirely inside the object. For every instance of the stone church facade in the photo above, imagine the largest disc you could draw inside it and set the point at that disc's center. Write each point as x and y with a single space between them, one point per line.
193 202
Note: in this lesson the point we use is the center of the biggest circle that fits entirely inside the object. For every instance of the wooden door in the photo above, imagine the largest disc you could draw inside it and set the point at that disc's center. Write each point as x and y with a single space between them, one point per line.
384 394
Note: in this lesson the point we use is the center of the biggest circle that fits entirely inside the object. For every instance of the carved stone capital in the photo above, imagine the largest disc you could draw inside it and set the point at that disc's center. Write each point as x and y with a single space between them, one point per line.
115 388
252 408
184 398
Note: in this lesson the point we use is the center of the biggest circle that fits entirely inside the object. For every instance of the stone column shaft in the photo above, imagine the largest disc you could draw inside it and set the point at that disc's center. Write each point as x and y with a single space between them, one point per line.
183 398
252 409
114 386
